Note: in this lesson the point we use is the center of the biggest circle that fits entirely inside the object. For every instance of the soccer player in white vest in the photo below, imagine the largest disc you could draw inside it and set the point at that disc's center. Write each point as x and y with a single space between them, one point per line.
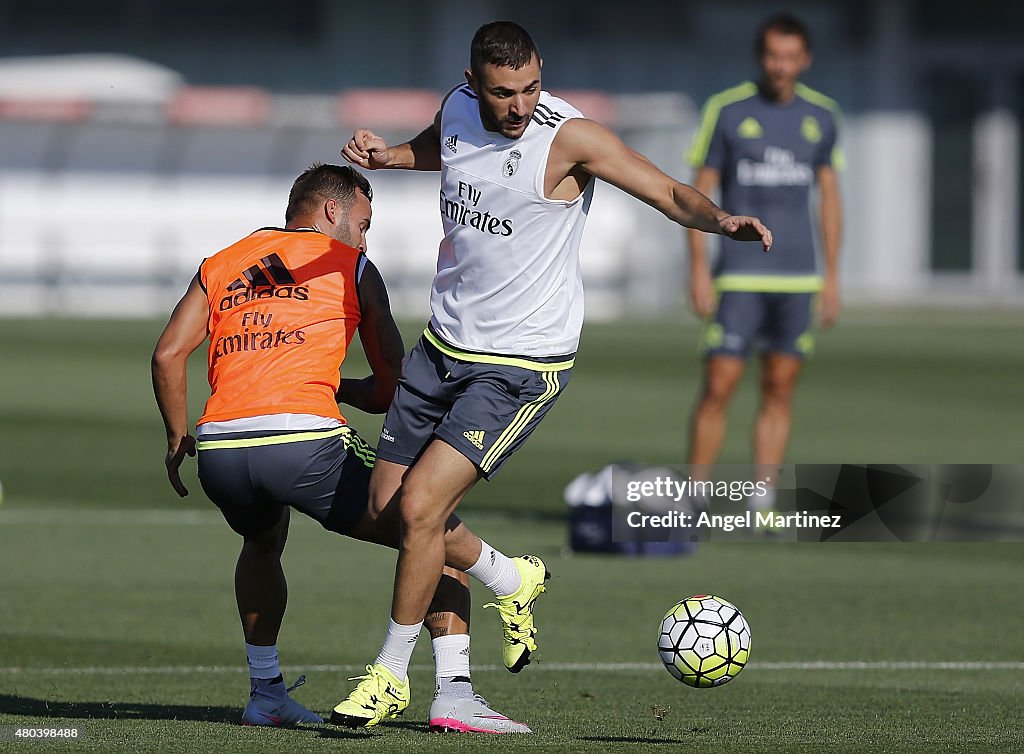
518 168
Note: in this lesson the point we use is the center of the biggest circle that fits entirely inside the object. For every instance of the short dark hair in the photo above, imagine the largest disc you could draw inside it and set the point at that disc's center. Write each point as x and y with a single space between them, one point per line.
320 182
783 23
501 43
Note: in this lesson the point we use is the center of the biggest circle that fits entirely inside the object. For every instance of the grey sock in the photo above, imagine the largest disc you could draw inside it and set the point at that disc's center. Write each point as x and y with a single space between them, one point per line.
458 686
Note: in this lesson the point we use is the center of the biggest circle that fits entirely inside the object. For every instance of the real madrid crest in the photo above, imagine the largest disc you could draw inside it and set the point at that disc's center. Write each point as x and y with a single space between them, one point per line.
810 129
511 165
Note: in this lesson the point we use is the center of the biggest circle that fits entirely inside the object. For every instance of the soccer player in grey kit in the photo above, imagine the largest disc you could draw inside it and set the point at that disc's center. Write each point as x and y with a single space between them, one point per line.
766 144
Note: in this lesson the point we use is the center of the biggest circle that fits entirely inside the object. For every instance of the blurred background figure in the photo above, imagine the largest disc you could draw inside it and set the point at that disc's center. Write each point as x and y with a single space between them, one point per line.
766 144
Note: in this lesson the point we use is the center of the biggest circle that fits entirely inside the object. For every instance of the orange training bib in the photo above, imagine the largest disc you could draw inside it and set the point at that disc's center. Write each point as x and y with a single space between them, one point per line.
283 310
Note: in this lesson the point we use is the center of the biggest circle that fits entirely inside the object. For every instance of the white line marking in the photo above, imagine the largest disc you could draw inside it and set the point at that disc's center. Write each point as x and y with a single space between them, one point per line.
56 516
901 665
576 667
210 516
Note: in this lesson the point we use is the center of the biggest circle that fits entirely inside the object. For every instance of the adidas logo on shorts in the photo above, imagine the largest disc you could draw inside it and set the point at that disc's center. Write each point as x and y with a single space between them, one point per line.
475 436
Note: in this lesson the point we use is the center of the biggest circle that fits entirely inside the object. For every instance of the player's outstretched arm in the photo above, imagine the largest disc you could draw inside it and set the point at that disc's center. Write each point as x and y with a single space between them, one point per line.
382 344
423 152
702 290
184 333
601 153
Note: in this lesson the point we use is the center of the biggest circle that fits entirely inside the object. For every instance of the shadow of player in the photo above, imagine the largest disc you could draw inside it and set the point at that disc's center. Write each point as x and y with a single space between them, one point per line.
632 740
110 710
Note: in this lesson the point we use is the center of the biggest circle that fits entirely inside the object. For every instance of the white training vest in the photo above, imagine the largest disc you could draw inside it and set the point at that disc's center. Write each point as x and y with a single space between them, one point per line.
508 273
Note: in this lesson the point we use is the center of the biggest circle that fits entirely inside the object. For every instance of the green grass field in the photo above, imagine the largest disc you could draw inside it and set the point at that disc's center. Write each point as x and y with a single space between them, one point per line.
116 614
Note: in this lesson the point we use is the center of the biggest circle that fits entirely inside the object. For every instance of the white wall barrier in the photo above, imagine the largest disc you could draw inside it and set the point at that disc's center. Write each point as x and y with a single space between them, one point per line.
126 245
89 241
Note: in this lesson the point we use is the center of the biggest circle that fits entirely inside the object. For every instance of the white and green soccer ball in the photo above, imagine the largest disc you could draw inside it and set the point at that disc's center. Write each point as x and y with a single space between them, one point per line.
704 641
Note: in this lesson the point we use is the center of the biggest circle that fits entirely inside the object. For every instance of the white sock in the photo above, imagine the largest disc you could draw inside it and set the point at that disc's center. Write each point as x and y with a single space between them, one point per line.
262 661
451 655
398 646
496 571
451 666
763 502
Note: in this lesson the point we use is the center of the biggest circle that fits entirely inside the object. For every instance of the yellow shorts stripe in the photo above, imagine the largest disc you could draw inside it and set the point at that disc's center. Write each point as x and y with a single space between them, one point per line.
361 449
488 358
256 442
522 418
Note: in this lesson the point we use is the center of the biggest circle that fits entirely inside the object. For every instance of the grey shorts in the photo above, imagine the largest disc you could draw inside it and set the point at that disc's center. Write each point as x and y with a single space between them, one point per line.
252 476
485 410
761 321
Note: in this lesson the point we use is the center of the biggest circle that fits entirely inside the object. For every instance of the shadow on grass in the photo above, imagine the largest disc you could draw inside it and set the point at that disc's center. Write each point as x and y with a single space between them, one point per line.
43 708
632 740
408 725
331 731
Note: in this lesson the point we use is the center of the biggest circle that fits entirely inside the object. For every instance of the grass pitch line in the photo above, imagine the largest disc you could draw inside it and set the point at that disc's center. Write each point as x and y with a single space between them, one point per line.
577 667
27 515
110 517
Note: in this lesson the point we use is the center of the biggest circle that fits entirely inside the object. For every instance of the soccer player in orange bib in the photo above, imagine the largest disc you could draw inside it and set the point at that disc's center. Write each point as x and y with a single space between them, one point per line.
280 308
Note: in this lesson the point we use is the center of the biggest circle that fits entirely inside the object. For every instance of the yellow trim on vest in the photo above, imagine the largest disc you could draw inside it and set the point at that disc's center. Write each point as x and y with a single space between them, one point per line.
838 158
487 358
709 118
817 98
256 442
770 283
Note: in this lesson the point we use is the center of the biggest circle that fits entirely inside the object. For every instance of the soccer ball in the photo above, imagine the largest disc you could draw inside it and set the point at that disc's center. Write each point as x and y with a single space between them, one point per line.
704 641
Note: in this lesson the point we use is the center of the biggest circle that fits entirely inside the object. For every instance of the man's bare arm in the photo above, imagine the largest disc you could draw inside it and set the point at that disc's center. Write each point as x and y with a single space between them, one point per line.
702 295
831 225
602 154
184 333
382 344
422 152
